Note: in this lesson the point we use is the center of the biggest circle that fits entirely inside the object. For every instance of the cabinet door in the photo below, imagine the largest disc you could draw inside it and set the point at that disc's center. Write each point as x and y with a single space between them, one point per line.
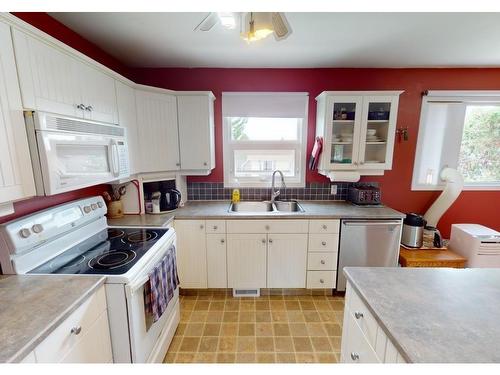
157 130
16 177
286 260
216 261
343 131
49 78
378 129
98 94
125 97
246 261
196 132
191 253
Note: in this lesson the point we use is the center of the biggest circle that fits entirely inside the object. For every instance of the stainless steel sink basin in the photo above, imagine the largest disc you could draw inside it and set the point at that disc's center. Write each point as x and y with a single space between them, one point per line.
251 207
266 206
288 206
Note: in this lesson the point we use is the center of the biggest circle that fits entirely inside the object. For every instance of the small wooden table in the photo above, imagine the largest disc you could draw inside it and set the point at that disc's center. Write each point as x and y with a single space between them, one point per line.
430 258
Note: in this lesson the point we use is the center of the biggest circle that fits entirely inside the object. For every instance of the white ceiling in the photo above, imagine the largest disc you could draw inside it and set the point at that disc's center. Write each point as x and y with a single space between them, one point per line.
318 40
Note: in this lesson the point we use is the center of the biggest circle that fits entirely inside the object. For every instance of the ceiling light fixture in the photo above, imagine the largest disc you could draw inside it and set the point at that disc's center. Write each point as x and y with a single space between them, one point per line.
257 26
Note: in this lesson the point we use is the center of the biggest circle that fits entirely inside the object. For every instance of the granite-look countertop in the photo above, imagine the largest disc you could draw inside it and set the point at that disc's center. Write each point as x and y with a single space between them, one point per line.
219 210
32 306
435 314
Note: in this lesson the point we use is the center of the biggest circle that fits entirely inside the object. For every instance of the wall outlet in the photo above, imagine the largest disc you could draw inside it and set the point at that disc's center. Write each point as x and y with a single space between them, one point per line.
333 190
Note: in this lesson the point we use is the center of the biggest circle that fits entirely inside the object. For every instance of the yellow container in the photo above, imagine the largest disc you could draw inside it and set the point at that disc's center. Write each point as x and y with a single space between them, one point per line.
236 196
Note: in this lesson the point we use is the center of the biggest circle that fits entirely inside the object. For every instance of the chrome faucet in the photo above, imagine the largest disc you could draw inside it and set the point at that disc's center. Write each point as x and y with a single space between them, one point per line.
275 193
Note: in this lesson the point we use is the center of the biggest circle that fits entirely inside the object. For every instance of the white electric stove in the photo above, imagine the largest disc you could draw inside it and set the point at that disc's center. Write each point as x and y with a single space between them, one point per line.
74 238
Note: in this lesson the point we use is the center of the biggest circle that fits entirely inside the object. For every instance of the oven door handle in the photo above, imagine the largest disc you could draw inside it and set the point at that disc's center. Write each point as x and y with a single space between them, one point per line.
133 288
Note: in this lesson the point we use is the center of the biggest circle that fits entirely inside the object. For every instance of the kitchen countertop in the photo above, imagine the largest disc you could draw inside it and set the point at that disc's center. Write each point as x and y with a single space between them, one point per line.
435 315
32 306
219 210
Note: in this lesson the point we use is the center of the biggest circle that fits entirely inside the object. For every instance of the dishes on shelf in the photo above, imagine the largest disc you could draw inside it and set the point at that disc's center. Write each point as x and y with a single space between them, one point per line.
371 132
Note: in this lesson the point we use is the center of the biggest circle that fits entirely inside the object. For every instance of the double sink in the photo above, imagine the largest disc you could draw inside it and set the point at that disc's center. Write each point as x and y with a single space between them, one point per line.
266 206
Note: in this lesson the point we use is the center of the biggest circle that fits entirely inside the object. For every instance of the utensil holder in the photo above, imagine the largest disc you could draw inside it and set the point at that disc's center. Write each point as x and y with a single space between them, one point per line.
115 209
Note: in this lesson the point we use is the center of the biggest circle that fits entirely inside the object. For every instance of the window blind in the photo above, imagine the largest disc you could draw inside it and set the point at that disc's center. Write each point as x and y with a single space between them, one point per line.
265 104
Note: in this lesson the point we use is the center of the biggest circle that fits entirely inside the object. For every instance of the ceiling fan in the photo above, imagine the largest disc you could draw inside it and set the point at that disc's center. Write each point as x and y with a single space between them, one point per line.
253 25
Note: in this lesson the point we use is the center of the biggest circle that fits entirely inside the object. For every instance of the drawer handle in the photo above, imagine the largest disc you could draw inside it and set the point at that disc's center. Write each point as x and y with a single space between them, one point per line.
263 240
270 240
323 243
324 226
354 356
358 315
322 261
215 227
76 330
321 281
222 241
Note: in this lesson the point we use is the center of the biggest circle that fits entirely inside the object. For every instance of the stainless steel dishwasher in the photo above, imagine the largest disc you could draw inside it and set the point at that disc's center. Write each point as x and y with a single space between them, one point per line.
368 243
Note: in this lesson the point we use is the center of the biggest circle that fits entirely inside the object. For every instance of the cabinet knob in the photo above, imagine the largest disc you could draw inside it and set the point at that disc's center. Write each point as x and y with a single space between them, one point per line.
322 261
76 330
267 227
215 227
263 240
355 163
361 162
321 281
323 243
89 108
81 106
222 240
270 240
358 315
324 227
354 356
202 226
205 163
177 164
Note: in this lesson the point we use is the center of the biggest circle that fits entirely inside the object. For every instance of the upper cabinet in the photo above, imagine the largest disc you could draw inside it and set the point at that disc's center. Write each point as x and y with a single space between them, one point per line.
358 130
127 117
52 80
196 132
16 178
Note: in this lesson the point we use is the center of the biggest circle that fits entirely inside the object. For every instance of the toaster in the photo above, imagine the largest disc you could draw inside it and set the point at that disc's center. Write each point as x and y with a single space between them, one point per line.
364 195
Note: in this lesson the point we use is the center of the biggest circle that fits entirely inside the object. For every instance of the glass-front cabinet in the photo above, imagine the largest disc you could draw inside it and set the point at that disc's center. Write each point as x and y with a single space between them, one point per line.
358 130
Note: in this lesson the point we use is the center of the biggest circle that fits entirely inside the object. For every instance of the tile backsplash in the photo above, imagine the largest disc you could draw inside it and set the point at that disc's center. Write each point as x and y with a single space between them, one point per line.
312 191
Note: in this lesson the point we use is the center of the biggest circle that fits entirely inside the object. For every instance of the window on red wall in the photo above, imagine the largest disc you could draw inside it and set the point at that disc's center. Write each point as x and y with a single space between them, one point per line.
264 132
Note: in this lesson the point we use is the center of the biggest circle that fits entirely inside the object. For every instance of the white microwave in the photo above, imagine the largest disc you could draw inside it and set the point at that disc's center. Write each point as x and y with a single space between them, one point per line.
69 153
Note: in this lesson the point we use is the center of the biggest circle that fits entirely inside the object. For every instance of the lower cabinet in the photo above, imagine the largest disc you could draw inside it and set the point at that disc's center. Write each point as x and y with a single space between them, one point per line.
82 338
191 253
286 260
216 261
246 260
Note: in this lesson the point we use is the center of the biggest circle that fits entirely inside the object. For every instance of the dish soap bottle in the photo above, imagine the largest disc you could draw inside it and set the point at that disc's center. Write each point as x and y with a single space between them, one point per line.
236 196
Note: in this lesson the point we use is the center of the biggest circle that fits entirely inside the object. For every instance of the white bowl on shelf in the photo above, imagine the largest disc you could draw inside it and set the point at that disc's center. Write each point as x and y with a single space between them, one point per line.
371 132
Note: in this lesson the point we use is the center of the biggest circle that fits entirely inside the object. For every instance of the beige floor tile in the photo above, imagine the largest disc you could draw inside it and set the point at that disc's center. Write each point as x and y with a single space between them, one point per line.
247 316
285 358
201 305
311 316
298 329
336 342
246 329
205 357
262 305
266 358
198 316
277 305
247 306
283 344
189 344
232 305
208 344
307 305
281 329
188 305
245 358
175 344
230 317
321 344
305 357
246 344
211 329
170 357
279 315
302 344
185 357
339 315
226 357
326 358
292 305
194 329
185 315
295 316
323 306
214 316
228 344
337 305
263 316
229 329
333 329
181 328
327 316
316 329
217 306
265 344
263 329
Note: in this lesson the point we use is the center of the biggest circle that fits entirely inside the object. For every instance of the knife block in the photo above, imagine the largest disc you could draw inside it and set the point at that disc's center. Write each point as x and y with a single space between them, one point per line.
115 209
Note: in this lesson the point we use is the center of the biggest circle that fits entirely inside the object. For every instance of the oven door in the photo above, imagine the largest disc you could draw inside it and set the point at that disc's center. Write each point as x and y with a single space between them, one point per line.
70 161
147 337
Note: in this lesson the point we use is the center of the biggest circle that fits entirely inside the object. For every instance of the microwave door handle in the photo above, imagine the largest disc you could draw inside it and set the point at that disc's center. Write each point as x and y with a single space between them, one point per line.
113 152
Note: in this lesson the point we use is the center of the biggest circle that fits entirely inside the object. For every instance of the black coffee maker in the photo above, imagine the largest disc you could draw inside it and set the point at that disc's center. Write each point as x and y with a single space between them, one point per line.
170 199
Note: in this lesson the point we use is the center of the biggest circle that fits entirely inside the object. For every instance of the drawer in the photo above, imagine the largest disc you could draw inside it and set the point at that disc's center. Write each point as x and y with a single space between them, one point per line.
356 349
321 261
60 342
362 316
321 279
324 242
324 226
267 226
215 226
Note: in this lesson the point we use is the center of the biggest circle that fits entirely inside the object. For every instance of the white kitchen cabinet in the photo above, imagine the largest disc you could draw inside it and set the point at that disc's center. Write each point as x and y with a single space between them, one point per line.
191 253
127 117
16 176
358 130
216 261
286 260
246 260
196 132
53 80
158 132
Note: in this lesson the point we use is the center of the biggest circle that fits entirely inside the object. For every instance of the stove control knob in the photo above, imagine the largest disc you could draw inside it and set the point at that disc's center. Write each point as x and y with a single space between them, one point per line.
99 204
24 233
93 206
86 209
37 228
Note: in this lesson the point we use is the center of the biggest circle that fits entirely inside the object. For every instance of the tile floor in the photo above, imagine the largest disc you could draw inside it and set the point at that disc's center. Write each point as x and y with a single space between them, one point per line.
268 329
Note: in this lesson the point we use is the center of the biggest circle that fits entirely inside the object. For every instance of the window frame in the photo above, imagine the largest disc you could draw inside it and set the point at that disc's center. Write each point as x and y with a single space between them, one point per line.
300 148
465 98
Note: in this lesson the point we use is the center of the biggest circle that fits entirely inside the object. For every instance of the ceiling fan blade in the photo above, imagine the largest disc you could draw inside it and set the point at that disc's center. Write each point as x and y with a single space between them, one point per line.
281 26
208 22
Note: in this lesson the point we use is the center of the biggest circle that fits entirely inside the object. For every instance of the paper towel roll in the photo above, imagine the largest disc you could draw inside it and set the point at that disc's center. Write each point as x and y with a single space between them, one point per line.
344 176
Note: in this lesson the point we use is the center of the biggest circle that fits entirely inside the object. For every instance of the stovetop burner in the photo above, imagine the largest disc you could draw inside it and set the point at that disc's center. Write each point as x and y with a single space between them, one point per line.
112 251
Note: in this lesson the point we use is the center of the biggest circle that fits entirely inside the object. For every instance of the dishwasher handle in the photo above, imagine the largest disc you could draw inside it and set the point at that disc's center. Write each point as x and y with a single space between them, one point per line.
370 223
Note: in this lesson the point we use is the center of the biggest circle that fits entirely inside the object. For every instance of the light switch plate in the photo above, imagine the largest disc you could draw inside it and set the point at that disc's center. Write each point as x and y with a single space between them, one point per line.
333 190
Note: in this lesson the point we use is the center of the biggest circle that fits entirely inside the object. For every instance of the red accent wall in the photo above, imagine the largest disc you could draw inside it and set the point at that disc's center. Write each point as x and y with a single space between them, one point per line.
472 206
56 29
